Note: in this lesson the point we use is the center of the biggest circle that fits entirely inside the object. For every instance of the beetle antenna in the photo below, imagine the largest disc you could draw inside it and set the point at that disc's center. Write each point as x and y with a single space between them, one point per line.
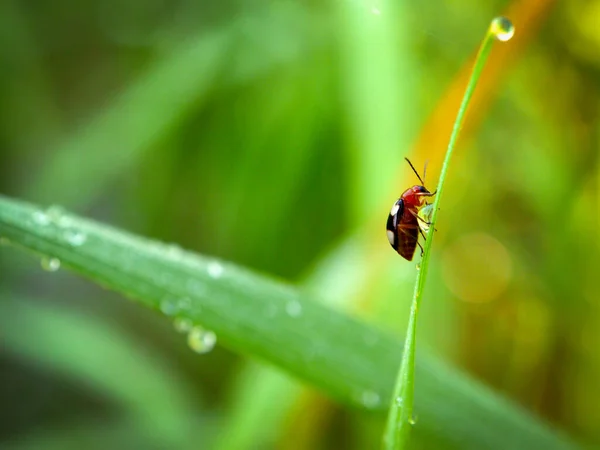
414 170
425 171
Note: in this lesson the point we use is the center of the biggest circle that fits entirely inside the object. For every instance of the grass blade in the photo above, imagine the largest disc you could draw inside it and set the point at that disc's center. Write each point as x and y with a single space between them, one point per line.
255 315
400 418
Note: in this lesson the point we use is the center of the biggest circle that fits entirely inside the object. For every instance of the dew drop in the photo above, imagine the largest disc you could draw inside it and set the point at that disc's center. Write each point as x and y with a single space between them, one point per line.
75 237
56 214
370 399
183 325
174 251
502 28
168 307
50 264
293 308
412 420
215 269
201 340
418 266
399 402
41 218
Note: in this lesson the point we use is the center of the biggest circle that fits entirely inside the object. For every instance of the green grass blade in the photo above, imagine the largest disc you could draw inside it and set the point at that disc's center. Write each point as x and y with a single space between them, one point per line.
255 315
151 108
144 113
400 418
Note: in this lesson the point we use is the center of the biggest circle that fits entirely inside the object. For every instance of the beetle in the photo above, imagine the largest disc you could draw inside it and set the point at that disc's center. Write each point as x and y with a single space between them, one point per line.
402 227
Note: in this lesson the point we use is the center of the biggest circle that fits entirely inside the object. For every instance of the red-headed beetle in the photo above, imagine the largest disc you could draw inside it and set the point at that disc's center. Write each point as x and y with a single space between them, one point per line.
402 226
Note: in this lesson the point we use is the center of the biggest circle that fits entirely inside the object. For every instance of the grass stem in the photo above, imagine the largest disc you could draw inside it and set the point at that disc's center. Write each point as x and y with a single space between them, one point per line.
400 418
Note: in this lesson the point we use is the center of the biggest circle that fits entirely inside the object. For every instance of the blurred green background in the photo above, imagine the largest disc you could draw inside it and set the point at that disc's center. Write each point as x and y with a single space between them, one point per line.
272 134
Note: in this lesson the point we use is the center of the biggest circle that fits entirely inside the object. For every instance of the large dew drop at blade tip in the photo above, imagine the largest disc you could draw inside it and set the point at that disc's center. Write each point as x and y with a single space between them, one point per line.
502 28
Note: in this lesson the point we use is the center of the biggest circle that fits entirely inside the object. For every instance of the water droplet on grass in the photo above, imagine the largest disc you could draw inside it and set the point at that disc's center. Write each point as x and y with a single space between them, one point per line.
370 399
41 218
183 325
215 269
57 215
201 340
168 306
75 237
502 29
50 264
174 251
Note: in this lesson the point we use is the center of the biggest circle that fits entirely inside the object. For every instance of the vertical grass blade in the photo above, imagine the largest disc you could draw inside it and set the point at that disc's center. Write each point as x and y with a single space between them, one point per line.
400 417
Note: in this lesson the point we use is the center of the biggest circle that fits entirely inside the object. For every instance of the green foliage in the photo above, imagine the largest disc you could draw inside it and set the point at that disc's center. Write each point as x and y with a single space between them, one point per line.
271 135
400 418
344 357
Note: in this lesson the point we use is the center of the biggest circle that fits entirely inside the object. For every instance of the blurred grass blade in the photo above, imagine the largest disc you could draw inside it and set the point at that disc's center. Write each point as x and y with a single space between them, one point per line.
139 116
148 110
252 405
380 115
102 433
151 393
258 316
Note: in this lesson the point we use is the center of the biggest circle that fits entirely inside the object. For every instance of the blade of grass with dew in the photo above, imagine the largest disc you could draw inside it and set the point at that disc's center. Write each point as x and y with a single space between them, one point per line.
400 418
271 321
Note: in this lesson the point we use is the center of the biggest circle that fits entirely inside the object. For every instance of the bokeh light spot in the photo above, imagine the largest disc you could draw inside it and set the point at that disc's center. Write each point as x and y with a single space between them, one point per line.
476 268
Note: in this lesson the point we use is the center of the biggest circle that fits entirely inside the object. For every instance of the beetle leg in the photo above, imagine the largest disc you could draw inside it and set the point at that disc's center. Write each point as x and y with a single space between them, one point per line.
416 214
421 219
